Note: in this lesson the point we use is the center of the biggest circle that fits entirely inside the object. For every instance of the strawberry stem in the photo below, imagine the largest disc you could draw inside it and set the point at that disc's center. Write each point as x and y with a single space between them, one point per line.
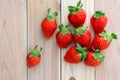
51 16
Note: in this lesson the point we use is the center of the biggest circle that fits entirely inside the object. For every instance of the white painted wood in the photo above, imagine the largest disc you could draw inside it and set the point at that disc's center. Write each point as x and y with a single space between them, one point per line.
90 74
110 69
78 71
48 69
14 31
13 40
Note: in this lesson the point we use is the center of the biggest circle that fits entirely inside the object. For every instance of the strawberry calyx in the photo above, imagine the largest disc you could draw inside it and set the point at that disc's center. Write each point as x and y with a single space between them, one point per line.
80 30
64 29
98 14
75 9
113 36
35 52
51 16
98 55
108 36
82 51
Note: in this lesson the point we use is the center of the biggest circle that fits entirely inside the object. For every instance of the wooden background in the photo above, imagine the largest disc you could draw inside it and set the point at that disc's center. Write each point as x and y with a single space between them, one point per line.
20 29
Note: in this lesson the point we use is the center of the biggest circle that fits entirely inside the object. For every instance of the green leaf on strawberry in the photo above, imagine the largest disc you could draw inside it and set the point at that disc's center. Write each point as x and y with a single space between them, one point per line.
82 51
74 9
98 55
98 14
64 29
51 16
78 4
80 30
108 36
35 52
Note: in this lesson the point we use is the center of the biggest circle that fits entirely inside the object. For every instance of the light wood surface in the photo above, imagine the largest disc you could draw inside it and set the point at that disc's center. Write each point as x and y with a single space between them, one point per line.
13 39
49 67
20 30
110 68
78 71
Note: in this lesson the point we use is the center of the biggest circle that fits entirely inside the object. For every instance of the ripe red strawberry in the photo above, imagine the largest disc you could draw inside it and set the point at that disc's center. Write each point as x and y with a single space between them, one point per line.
77 15
75 54
82 36
33 57
102 41
64 36
94 58
98 21
49 24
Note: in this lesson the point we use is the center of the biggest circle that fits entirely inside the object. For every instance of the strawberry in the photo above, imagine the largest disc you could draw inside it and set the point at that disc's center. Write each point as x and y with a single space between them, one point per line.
49 24
102 41
82 36
77 15
75 54
98 21
33 57
64 36
94 58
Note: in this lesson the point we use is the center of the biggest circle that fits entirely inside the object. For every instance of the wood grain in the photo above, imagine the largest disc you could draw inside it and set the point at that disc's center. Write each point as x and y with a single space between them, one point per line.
48 69
13 40
78 71
110 68
20 29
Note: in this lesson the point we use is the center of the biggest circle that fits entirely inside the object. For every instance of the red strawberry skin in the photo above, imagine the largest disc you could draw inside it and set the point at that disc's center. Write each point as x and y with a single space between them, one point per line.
63 40
78 18
98 24
33 61
91 61
100 43
72 56
48 27
83 39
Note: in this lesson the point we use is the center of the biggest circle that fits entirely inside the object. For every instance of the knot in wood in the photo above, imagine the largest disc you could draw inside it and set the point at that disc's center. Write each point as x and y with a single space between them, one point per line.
72 78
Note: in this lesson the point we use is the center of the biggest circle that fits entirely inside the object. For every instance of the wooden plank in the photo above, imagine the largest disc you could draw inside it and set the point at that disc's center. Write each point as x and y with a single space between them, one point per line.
48 69
13 40
78 71
110 69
